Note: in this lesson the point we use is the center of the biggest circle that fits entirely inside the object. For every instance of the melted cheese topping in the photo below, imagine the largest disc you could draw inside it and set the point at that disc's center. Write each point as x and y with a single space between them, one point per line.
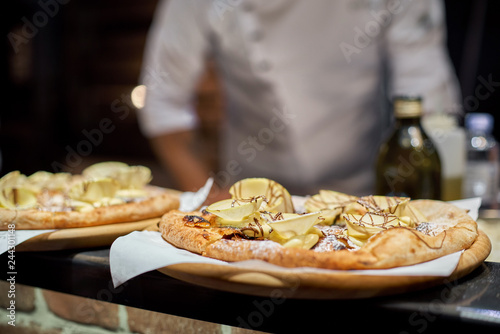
62 192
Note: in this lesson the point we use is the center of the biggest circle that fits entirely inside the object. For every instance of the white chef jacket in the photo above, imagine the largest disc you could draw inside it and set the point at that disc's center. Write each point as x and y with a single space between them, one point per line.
304 81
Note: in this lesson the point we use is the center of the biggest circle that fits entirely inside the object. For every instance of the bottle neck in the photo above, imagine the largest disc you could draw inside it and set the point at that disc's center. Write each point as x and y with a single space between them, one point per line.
408 121
407 107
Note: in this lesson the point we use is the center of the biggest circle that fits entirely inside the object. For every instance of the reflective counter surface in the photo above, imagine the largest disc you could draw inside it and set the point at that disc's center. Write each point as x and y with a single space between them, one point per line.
472 302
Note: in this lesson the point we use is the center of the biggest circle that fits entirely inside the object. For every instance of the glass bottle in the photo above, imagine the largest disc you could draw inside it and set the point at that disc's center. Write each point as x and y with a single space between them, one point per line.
408 163
481 173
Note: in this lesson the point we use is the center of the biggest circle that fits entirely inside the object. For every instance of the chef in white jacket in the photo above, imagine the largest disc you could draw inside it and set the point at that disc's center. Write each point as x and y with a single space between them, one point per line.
305 85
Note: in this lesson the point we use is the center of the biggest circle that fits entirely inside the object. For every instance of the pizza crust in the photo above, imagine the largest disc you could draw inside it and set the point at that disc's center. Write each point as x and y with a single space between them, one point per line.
459 231
155 206
394 247
194 239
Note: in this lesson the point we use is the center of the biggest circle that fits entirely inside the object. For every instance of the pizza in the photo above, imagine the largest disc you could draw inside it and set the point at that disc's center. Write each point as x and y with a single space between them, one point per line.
104 193
332 231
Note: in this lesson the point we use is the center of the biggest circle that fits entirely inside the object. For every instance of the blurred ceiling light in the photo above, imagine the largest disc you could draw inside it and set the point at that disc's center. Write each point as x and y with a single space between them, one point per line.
138 96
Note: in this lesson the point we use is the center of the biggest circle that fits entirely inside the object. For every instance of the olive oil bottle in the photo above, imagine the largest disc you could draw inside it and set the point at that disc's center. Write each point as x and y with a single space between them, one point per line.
408 163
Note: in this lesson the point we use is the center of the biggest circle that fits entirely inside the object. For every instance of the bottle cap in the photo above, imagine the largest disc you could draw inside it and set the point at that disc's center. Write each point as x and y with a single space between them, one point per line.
407 106
480 122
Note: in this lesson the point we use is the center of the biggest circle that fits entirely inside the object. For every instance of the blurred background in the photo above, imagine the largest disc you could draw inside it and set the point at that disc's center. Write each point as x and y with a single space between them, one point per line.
70 69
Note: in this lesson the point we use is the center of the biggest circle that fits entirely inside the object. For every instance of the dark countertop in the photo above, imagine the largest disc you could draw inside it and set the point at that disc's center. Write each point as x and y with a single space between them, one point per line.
471 303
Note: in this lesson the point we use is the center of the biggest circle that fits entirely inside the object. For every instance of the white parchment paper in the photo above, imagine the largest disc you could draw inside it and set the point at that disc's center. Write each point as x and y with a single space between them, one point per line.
13 237
140 252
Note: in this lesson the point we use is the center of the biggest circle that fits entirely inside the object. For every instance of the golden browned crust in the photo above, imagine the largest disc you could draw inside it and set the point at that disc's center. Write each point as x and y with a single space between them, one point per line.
194 233
151 207
459 232
390 248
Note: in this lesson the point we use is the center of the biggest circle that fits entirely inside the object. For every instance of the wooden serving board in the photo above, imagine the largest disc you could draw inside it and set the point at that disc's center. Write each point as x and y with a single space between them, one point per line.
88 237
84 237
324 285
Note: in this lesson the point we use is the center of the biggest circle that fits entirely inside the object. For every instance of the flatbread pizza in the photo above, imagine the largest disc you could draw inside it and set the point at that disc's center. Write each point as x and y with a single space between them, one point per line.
335 231
105 193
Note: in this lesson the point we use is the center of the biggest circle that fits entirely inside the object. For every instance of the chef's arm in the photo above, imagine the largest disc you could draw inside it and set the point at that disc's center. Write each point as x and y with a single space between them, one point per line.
174 59
176 153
